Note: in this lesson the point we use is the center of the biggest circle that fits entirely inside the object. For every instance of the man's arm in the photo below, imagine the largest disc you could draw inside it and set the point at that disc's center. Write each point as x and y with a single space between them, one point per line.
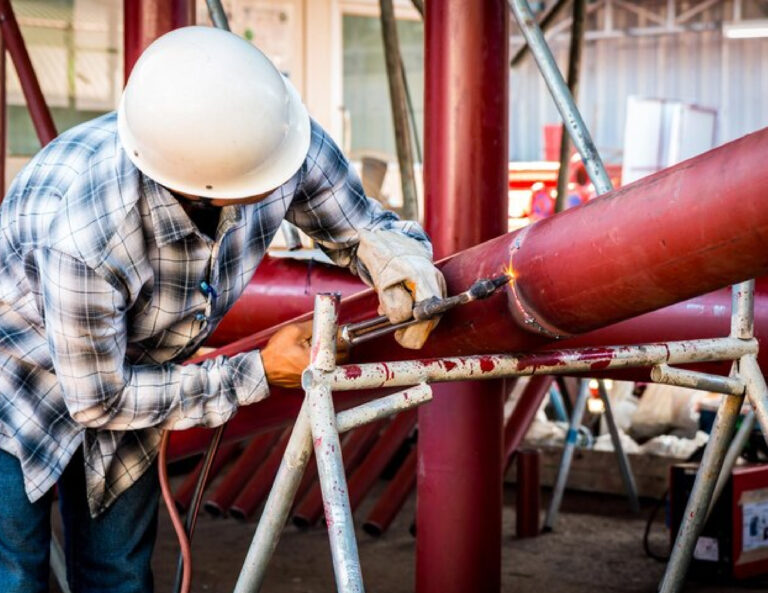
331 206
85 320
392 255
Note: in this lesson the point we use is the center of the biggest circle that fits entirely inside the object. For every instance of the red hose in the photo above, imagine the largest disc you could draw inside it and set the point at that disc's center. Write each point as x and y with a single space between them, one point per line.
178 524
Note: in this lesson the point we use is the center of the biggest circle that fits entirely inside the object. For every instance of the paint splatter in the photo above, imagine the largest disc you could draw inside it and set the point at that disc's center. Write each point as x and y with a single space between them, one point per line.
487 364
352 371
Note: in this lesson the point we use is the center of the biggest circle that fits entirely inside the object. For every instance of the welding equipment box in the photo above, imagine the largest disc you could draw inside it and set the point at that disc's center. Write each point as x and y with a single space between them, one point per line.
734 542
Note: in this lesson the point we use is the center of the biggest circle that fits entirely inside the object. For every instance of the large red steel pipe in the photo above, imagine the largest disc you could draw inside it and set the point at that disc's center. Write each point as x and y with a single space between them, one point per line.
523 414
353 451
393 498
247 463
680 233
281 289
725 233
30 86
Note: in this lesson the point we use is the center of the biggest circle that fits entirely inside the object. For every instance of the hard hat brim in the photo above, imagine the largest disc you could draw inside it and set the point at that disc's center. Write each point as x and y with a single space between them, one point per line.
267 177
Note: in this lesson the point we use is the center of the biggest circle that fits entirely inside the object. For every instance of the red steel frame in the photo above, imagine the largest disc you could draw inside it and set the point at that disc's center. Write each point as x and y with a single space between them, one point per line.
14 43
465 184
145 20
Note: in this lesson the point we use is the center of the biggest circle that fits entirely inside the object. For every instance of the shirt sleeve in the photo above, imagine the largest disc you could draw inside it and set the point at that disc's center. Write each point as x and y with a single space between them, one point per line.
331 206
87 332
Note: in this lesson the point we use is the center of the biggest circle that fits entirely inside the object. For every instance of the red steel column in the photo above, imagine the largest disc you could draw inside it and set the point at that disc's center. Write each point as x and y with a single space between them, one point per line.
3 118
465 179
17 49
145 20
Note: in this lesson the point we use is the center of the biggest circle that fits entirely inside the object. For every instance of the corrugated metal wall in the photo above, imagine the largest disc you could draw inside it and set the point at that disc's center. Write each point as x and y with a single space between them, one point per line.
696 67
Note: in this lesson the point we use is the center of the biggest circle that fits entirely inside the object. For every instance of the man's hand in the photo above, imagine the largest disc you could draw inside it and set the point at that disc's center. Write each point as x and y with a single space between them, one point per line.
403 273
286 355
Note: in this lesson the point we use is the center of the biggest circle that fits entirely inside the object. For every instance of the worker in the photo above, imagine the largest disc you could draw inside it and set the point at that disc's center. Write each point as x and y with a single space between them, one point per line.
122 244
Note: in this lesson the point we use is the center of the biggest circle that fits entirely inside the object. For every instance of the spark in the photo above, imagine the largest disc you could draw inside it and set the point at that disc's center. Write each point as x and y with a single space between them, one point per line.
509 271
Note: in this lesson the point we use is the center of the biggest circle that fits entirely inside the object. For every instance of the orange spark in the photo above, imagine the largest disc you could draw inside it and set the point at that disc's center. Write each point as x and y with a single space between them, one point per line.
510 271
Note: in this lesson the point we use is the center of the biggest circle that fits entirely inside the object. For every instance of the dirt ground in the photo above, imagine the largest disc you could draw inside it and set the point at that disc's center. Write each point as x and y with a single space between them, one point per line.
597 546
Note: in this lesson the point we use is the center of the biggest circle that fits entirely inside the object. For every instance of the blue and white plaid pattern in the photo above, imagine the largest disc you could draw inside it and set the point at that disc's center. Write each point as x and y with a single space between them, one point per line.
101 296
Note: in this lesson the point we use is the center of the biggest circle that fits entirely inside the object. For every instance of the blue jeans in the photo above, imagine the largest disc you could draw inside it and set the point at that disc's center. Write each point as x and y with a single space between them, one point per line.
111 553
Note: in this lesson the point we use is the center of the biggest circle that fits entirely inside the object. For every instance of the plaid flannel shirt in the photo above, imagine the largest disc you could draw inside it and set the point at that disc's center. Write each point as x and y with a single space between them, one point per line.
101 297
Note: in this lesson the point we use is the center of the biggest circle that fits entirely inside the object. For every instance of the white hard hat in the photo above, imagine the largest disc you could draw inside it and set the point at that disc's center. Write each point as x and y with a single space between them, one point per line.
206 113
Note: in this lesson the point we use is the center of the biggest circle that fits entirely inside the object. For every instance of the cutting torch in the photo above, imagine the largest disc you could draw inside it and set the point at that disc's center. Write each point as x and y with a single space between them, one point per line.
362 331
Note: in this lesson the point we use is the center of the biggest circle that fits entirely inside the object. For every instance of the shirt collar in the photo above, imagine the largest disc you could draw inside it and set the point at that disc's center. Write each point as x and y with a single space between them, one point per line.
169 221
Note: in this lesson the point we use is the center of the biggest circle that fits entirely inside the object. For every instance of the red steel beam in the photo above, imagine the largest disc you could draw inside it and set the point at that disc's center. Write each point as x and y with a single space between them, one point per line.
281 289
257 487
523 414
145 20
391 439
725 241
30 86
3 118
393 498
219 502
528 499
458 513
353 451
183 496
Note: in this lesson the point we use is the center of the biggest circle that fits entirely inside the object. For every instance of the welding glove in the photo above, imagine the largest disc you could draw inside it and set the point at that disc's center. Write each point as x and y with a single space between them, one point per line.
402 272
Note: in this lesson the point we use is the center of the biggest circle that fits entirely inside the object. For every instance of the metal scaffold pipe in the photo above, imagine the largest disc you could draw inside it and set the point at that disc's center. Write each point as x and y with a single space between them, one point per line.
561 95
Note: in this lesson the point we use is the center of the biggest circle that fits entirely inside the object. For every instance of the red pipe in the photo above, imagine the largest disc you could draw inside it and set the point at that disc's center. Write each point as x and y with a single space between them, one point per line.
281 289
275 412
146 20
183 496
219 502
257 488
353 451
466 87
182 13
528 502
393 498
14 42
3 117
391 439
711 257
523 414
488 326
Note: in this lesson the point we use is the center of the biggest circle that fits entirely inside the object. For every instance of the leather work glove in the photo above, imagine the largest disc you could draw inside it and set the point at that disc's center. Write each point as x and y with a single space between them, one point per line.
402 272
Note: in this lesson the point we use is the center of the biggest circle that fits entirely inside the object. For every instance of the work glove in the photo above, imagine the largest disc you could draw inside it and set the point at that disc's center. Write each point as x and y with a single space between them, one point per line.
402 272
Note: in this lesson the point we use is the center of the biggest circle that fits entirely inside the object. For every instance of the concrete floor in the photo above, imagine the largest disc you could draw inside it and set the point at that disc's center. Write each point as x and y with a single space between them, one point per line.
597 544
